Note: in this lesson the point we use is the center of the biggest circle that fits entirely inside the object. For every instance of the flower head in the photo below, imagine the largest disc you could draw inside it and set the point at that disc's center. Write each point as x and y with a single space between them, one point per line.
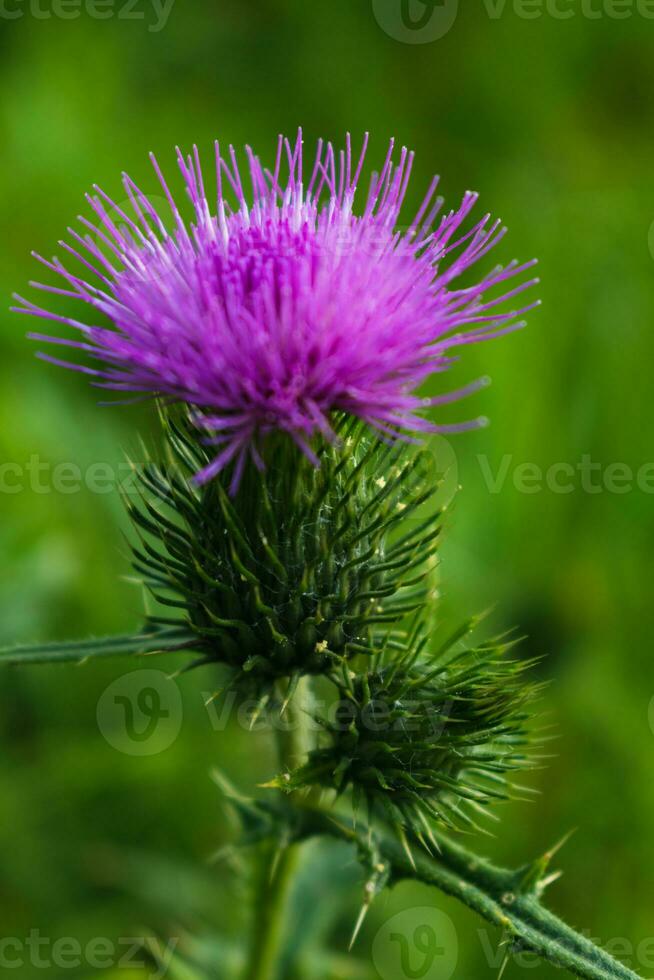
274 307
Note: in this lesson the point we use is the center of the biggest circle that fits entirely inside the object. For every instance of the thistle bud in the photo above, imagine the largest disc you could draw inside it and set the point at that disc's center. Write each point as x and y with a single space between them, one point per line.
305 568
428 738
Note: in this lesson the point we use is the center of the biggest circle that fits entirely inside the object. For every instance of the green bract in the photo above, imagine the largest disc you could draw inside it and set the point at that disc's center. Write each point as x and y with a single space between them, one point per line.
305 568
427 736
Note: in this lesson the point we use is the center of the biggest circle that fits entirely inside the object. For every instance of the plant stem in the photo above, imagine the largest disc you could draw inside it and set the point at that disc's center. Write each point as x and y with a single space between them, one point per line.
508 899
148 641
270 913
280 866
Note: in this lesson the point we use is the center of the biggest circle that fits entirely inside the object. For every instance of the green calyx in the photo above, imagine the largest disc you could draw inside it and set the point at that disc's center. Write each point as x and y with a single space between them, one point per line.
304 568
427 737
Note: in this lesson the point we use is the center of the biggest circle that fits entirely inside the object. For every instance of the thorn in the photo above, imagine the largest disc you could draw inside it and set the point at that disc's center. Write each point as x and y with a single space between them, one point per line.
275 783
507 957
258 711
213 697
406 846
546 882
290 691
365 908
561 844
429 832
534 878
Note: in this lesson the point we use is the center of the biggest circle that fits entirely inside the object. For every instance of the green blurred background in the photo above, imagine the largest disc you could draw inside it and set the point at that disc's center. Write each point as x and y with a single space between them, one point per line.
551 121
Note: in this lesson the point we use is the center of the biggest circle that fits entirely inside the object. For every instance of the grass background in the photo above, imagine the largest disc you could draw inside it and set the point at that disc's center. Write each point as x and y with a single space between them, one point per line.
551 121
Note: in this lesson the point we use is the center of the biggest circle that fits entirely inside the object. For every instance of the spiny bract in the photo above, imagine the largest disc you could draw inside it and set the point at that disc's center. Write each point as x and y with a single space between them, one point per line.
305 568
425 736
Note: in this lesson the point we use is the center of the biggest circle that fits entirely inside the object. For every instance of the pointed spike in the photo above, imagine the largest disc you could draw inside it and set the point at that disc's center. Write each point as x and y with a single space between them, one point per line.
258 711
428 831
561 844
532 877
505 963
406 846
545 883
290 691
365 908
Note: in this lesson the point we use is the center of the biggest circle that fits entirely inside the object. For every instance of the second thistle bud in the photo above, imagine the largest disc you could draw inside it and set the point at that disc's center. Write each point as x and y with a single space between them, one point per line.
427 738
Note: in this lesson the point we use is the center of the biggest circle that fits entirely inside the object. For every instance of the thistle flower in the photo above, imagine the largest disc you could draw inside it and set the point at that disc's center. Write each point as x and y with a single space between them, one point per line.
274 314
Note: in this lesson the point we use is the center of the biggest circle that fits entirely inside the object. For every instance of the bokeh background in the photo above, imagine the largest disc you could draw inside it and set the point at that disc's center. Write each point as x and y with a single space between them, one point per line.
550 119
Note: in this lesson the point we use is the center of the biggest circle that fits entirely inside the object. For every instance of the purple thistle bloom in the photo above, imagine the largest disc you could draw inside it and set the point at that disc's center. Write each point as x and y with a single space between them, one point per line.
271 315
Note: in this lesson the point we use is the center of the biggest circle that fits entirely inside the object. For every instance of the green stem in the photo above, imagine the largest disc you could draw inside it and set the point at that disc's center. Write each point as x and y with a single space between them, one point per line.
269 929
508 899
278 872
148 641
